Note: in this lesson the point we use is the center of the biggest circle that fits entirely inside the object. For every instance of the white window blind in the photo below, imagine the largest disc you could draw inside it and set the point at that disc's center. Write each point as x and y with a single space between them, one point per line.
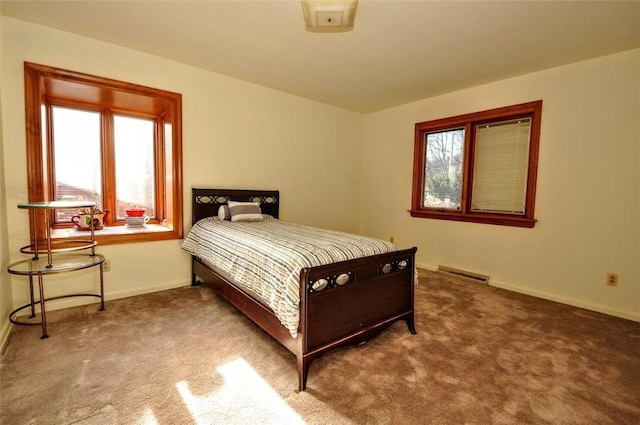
501 166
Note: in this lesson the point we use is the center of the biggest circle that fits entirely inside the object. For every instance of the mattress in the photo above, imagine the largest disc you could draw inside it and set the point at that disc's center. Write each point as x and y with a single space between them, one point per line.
265 257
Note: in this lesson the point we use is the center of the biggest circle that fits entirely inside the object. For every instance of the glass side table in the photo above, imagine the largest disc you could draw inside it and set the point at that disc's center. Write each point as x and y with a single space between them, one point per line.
49 248
69 259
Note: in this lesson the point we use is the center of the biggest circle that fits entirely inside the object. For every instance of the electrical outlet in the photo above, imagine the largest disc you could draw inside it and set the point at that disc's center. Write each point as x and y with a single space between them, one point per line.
106 266
612 279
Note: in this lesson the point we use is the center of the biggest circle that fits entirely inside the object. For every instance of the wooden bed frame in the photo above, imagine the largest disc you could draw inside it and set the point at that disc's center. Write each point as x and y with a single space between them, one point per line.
379 291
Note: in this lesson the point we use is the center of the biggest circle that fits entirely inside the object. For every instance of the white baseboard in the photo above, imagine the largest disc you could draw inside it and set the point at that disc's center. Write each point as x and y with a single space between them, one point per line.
567 301
4 335
147 290
552 297
427 267
108 296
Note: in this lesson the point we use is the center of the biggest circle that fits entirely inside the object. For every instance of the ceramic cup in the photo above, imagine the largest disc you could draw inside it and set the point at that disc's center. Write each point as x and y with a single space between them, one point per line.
136 221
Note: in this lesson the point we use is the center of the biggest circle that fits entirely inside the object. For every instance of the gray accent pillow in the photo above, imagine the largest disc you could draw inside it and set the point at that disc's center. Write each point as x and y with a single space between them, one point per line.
245 211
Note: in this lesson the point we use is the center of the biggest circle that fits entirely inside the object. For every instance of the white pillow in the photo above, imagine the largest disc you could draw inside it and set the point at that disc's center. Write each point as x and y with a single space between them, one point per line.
223 212
245 211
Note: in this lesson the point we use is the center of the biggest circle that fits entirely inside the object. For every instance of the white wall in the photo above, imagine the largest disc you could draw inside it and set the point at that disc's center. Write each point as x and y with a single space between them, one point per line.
587 202
6 297
235 135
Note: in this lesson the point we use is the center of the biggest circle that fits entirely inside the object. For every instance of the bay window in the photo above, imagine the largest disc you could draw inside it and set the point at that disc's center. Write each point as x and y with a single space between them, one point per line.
114 143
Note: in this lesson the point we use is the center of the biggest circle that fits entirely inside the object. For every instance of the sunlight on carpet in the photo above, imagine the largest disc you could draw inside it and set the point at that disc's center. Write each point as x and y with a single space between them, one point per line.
243 397
148 418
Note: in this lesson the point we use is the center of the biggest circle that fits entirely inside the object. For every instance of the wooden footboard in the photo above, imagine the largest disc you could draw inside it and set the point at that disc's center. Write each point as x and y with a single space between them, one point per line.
341 303
359 300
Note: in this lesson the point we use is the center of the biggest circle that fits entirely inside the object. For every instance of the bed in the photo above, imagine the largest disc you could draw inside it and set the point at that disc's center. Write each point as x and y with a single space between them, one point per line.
340 303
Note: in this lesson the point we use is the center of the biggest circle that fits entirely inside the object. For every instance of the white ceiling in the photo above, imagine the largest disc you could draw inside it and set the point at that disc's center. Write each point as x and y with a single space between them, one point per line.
399 51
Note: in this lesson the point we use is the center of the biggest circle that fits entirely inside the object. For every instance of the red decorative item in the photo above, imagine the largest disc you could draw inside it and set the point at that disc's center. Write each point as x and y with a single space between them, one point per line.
135 212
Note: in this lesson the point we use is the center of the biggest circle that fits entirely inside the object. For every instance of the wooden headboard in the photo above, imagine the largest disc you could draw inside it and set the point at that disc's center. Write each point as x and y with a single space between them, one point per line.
205 202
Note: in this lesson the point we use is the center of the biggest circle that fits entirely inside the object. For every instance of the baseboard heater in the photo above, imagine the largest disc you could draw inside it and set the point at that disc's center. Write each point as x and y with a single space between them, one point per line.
463 274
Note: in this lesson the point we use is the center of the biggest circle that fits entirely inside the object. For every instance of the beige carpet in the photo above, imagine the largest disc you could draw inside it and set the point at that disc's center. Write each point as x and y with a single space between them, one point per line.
184 356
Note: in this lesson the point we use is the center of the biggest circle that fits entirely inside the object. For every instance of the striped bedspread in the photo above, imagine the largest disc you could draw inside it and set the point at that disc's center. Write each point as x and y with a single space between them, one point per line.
266 257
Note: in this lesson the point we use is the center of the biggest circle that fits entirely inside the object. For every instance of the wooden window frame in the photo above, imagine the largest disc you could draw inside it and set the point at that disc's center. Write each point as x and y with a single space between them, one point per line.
46 86
469 122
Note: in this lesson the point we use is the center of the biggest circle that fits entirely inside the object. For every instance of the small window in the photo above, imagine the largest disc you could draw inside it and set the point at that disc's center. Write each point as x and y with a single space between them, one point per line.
478 167
443 172
114 143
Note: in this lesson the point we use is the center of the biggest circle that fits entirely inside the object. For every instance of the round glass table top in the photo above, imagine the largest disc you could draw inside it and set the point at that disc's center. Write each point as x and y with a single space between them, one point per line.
57 204
61 263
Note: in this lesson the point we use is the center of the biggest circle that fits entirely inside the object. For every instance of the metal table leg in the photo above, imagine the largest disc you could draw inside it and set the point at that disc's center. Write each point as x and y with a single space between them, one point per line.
43 313
101 287
33 306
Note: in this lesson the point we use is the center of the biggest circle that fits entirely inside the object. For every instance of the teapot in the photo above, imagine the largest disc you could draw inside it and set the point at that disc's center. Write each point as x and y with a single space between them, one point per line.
83 220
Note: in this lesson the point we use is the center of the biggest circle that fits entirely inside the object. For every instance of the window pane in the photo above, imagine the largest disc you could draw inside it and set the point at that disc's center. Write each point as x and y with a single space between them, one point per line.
169 159
443 171
501 165
76 156
135 171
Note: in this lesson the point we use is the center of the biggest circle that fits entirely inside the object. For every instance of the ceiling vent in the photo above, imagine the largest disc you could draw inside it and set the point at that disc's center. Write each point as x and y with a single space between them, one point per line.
329 15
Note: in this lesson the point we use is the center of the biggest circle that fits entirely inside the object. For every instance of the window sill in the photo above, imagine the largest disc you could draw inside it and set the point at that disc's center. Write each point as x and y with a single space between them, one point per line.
485 218
120 234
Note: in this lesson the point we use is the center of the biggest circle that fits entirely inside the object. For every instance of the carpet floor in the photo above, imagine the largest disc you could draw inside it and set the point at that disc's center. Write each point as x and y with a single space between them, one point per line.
184 356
